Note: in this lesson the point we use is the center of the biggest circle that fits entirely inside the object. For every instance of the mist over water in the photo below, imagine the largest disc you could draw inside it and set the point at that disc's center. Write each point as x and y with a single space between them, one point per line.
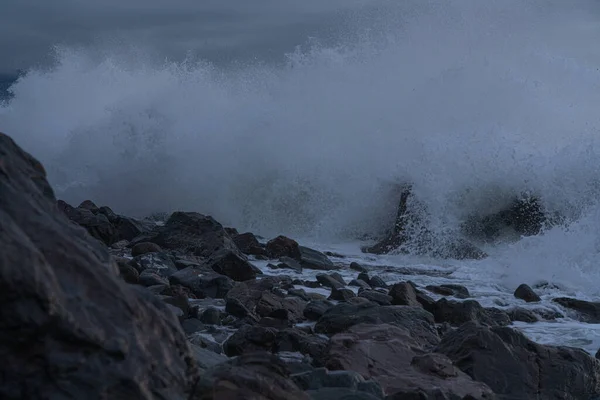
471 101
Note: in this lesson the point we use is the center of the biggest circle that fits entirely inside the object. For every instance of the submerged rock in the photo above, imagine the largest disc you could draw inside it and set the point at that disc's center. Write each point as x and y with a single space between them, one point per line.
69 326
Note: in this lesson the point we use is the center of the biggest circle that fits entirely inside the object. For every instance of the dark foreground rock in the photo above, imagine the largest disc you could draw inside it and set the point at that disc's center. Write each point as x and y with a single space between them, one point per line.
256 375
516 368
70 327
396 358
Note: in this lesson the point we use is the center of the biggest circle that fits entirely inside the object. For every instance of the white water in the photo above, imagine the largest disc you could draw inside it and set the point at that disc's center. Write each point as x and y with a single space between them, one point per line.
472 101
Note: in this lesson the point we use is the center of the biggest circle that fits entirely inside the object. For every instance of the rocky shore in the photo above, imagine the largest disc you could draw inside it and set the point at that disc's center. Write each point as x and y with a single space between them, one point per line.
97 305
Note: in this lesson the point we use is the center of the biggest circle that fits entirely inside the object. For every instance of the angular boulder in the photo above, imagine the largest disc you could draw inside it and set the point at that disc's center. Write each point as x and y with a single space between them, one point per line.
69 326
515 367
394 357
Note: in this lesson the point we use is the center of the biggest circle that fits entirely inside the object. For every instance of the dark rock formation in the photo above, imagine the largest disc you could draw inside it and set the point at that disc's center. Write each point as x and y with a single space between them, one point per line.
525 292
457 291
249 244
404 294
250 376
516 368
342 316
459 312
192 233
69 326
396 358
283 246
588 311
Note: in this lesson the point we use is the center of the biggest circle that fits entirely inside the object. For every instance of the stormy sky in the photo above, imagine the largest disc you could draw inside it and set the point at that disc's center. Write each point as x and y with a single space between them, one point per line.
212 28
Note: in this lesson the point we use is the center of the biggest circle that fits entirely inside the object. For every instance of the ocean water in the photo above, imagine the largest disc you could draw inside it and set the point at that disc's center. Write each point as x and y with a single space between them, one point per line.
473 102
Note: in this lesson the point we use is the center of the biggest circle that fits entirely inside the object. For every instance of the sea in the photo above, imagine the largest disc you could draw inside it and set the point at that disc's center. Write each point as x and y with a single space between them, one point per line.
471 102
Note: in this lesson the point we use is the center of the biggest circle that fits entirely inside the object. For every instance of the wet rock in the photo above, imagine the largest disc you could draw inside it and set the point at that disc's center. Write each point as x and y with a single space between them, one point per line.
377 282
522 314
191 233
312 259
178 290
98 226
457 291
376 297
157 289
426 302
249 244
299 293
283 246
211 316
357 267
151 278
205 358
329 281
192 325
250 376
342 294
586 310
145 248
128 273
289 263
525 292
547 314
457 313
69 326
159 263
249 339
525 215
294 340
359 283
258 298
343 316
203 282
515 367
316 308
232 264
404 294
337 384
396 357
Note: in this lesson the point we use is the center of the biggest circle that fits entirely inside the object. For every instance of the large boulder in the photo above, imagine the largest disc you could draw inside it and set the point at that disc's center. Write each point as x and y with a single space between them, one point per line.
345 315
192 233
257 375
587 311
69 326
515 367
395 358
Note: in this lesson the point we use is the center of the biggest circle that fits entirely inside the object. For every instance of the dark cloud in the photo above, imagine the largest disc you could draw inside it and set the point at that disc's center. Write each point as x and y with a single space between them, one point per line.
29 28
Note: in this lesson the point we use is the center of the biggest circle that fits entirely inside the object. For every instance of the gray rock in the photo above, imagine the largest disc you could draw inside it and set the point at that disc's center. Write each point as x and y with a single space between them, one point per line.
329 281
342 294
459 312
82 331
357 267
359 283
522 314
312 259
525 292
150 277
457 291
232 264
515 367
205 358
343 316
316 308
586 310
376 297
203 282
160 263
145 248
404 294
395 357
